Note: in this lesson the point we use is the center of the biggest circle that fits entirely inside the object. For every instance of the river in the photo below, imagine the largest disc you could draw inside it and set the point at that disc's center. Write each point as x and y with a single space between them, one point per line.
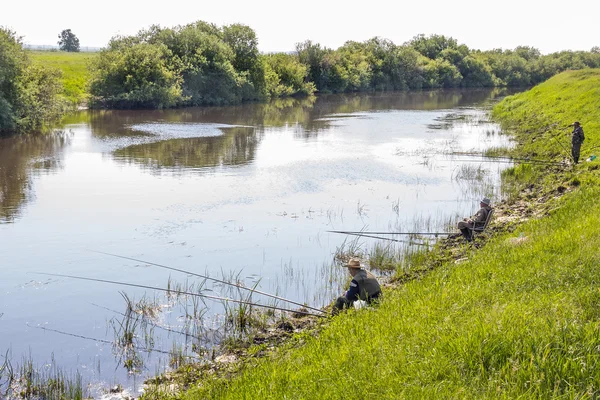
245 193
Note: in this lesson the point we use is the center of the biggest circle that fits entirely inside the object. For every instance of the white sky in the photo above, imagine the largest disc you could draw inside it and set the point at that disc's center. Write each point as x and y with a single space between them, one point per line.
480 24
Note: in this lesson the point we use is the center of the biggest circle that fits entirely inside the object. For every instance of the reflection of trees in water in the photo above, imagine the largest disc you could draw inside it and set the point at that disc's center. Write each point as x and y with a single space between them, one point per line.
236 146
306 117
306 112
20 156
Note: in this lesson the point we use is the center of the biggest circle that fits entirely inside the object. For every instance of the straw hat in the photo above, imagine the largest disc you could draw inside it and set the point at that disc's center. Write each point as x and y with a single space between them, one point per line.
353 263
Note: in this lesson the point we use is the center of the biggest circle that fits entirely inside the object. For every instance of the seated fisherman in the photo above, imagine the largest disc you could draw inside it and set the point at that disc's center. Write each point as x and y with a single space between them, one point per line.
364 286
467 225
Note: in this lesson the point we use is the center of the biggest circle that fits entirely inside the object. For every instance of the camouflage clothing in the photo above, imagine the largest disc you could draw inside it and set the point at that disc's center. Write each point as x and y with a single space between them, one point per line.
576 141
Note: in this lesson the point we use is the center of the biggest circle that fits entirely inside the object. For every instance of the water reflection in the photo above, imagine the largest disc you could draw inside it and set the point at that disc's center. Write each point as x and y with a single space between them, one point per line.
20 156
236 146
310 112
174 139
227 135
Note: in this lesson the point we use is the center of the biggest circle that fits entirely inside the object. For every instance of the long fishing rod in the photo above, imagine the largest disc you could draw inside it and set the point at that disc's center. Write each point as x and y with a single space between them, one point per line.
513 160
210 278
181 292
384 238
391 233
149 322
555 137
532 160
99 340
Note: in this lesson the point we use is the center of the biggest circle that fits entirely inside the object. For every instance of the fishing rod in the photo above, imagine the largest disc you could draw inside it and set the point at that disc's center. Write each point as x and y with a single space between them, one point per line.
555 137
208 277
390 233
382 238
532 160
98 340
512 159
180 292
146 320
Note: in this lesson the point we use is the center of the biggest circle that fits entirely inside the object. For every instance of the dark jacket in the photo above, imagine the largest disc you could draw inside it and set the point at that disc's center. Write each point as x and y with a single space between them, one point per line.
481 216
578 136
364 286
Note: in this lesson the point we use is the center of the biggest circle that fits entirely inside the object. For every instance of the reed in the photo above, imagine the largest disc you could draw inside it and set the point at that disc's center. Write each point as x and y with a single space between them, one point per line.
514 319
48 382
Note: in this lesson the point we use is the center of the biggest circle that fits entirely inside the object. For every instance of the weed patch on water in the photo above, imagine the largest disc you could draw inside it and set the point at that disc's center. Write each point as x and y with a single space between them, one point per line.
29 381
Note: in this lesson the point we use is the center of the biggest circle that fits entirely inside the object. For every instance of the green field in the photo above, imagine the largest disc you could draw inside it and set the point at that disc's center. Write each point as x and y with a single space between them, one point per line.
518 318
74 67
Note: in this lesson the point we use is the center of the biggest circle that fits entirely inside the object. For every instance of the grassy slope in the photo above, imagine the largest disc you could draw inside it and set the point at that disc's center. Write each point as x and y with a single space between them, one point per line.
540 117
74 67
515 320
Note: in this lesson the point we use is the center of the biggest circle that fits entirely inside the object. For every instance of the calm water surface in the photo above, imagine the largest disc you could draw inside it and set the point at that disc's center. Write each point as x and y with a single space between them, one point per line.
246 192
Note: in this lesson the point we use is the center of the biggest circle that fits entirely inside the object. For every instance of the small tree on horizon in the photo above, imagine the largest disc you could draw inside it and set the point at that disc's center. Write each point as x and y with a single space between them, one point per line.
68 41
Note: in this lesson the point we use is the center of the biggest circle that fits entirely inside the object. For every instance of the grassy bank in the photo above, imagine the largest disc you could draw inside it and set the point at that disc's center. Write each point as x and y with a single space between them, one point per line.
75 73
517 318
539 119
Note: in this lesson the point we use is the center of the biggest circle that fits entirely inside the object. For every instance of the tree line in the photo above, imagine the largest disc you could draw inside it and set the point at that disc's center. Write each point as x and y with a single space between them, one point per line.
204 64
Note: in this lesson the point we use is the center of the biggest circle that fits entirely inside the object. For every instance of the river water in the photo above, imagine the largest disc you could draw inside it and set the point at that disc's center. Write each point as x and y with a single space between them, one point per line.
245 193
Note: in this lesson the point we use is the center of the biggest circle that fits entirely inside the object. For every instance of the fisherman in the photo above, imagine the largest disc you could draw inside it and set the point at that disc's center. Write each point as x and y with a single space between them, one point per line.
364 286
467 225
577 139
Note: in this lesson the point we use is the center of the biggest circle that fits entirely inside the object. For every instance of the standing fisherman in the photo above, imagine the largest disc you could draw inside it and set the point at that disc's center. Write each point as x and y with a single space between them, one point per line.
577 139
364 286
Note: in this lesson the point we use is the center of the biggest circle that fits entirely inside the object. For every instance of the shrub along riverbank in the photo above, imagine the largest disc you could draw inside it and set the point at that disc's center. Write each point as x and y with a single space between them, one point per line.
203 64
30 93
515 318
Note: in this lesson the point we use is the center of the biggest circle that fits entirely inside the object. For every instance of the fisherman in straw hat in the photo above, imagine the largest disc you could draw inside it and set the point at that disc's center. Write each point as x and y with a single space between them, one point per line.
467 225
364 286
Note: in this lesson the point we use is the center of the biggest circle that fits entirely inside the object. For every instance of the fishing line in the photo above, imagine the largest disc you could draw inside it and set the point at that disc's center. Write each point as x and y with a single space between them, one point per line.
383 238
513 160
208 277
391 233
149 322
100 340
180 292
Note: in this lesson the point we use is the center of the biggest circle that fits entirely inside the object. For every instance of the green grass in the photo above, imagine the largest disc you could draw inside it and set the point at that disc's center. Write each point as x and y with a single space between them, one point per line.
519 318
74 67
539 118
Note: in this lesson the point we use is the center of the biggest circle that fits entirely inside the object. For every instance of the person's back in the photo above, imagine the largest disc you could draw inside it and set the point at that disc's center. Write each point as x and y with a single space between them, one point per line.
363 287
368 287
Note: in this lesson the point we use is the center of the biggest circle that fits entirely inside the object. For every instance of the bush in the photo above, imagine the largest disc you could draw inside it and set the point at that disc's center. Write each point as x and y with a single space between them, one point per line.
136 76
287 76
29 95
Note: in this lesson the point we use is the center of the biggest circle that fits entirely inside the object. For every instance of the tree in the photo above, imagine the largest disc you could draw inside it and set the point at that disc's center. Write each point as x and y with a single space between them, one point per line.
432 46
68 41
29 94
138 76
